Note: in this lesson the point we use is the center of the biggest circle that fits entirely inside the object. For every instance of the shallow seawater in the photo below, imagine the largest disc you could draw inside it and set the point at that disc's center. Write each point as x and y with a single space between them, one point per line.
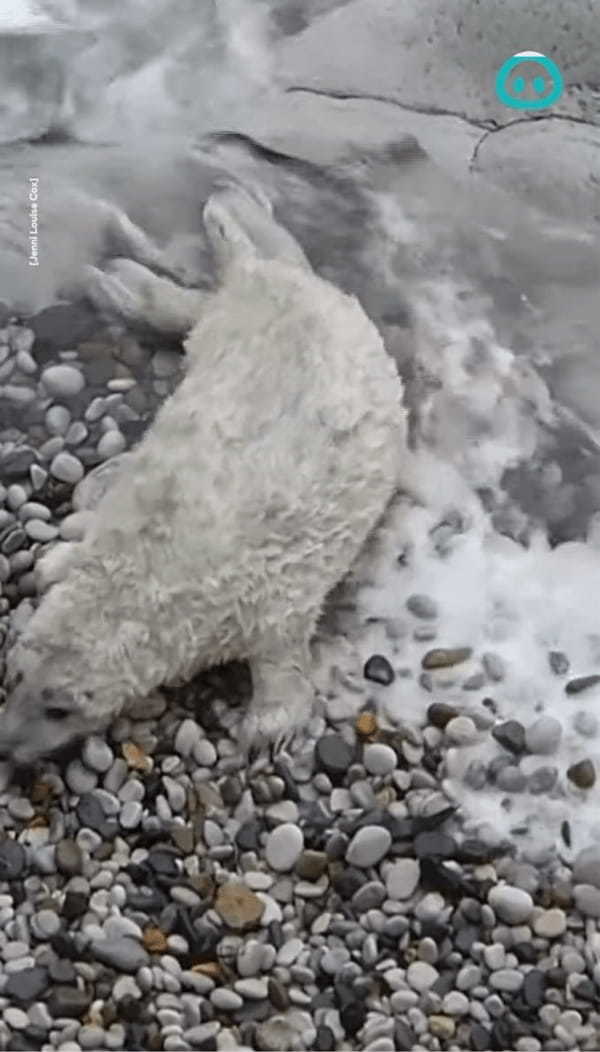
489 308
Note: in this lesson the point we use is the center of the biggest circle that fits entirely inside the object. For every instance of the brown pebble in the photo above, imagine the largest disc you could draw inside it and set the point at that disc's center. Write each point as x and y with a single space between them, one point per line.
210 968
442 657
311 865
41 792
439 714
136 758
366 725
155 940
278 995
582 774
238 906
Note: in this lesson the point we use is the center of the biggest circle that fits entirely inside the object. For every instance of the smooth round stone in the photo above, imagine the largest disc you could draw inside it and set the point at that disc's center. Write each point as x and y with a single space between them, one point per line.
204 753
66 468
32 509
543 780
461 731
16 496
5 569
26 363
587 899
585 723
62 381
69 857
252 989
508 980
550 924
76 434
334 756
402 879
226 1000
188 734
543 736
284 846
15 1018
494 667
368 846
421 976
97 754
111 444
79 779
379 759
512 905
95 410
582 774
131 814
47 923
422 606
559 662
57 420
37 530
511 735
586 867
123 953
378 670
19 396
456 1003
511 779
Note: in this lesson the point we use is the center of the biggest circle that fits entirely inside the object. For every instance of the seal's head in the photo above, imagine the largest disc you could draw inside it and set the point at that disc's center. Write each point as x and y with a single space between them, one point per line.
240 227
44 711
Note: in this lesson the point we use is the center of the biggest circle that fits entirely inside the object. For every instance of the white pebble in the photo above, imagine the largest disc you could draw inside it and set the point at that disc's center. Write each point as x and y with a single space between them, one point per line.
421 976
510 904
16 1019
402 879
379 759
550 924
66 468
111 444
57 420
41 531
97 754
62 381
283 847
368 846
461 731
73 527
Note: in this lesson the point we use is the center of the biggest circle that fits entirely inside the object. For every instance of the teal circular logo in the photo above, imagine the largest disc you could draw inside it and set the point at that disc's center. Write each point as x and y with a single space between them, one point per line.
513 94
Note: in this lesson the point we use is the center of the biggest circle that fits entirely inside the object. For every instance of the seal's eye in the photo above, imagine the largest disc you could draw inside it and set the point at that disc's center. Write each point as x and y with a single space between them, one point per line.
54 712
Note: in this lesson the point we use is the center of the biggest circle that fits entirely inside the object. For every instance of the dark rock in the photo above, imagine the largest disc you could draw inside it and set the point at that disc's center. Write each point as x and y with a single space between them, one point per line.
65 946
434 845
12 539
582 774
511 736
479 1038
291 789
502 1035
446 657
555 977
473 851
334 756
586 990
325 1039
278 995
378 670
16 463
405 1038
247 837
534 988
439 714
559 662
425 823
465 937
69 859
352 1017
576 686
27 985
68 1001
525 952
12 860
62 971
91 814
311 865
59 328
165 862
435 876
231 790
347 882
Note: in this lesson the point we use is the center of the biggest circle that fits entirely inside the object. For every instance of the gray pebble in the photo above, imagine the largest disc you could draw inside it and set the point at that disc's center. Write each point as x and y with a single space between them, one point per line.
16 495
368 846
225 1000
32 509
79 779
131 814
45 924
421 976
57 420
204 753
41 531
508 980
544 735
66 468
283 847
379 759
62 381
402 878
95 410
586 867
585 723
165 363
510 779
494 666
111 444
422 606
76 434
543 780
124 954
15 1018
461 731
97 754
510 904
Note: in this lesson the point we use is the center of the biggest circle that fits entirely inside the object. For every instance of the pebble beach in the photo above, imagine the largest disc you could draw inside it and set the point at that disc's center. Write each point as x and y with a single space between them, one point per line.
419 867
